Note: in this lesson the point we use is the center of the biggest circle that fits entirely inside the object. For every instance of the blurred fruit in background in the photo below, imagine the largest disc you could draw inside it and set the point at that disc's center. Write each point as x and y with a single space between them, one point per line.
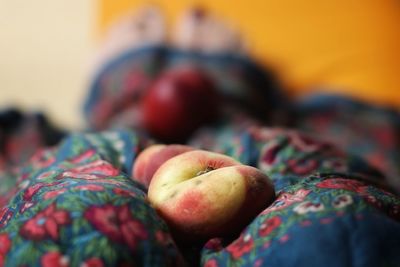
179 101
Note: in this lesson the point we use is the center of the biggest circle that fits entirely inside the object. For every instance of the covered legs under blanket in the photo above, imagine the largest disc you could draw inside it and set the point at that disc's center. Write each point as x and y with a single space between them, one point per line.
77 204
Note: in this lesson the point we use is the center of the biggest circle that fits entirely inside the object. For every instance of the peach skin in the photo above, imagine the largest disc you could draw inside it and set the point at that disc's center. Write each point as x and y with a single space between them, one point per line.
203 194
150 159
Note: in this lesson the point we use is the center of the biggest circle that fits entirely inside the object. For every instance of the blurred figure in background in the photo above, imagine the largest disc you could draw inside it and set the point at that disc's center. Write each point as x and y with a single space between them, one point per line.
200 82
345 47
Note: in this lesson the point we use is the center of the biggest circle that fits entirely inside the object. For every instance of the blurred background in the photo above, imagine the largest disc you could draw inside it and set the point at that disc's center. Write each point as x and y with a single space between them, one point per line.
44 48
349 47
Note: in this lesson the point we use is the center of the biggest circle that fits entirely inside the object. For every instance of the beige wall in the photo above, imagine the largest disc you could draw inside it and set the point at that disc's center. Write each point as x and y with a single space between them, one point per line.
45 46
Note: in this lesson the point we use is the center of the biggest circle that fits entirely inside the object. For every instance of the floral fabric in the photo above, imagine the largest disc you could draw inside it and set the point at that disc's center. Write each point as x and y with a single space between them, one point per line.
327 207
75 205
357 128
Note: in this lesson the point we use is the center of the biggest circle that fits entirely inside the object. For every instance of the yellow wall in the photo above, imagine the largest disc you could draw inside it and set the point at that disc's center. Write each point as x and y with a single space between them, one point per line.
351 46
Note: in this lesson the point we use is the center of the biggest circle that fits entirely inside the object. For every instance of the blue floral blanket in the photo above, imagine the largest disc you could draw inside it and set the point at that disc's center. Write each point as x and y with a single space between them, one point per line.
69 199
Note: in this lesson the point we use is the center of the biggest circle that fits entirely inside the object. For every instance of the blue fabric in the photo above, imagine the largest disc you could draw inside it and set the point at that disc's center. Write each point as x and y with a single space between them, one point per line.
367 131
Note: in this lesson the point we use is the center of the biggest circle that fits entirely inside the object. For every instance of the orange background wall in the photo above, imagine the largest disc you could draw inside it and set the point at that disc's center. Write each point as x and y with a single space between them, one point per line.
345 46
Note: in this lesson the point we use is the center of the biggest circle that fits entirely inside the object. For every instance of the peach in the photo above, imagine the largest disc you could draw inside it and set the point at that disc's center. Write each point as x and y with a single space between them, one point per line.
203 194
150 159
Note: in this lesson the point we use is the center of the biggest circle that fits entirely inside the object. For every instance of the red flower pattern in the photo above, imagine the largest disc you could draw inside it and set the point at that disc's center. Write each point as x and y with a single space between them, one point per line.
269 154
54 259
83 176
87 154
93 262
44 175
54 193
269 225
43 158
5 216
90 187
5 245
305 143
342 183
31 191
241 246
287 199
27 205
211 263
117 224
45 224
373 201
123 192
99 167
302 166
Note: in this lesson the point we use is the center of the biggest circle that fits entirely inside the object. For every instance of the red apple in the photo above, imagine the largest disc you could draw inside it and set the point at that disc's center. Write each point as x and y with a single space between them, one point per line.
179 101
202 195
150 159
